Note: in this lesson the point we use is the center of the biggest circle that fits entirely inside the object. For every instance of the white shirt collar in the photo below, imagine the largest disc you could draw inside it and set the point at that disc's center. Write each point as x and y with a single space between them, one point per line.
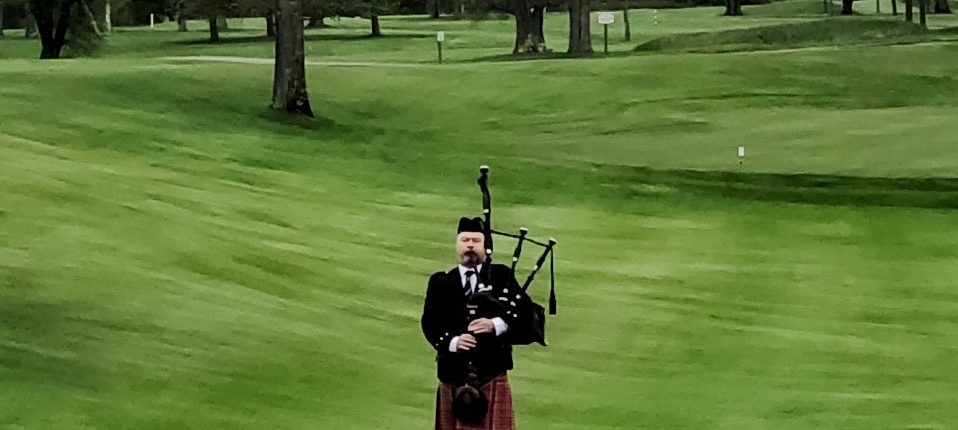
464 269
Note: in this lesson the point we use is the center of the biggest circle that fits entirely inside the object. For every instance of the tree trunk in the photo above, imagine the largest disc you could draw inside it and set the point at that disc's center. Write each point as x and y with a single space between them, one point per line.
458 8
733 8
214 30
31 31
221 23
941 6
909 14
923 13
107 17
1 19
878 7
52 25
847 7
580 38
317 22
289 72
181 23
529 34
270 23
91 17
434 9
538 33
374 22
894 7
625 18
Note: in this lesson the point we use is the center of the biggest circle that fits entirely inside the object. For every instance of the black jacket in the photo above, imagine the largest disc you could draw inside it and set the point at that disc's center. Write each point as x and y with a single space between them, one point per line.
446 315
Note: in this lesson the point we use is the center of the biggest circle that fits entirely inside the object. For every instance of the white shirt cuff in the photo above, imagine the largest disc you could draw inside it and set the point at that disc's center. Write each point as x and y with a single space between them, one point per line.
454 344
501 325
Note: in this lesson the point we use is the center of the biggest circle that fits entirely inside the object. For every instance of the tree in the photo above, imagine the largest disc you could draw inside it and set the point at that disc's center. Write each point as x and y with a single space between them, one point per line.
923 13
909 14
894 7
179 14
847 7
529 16
17 11
580 38
91 18
371 10
54 18
53 21
214 29
107 17
271 23
733 8
317 10
289 72
941 6
625 17
30 30
214 11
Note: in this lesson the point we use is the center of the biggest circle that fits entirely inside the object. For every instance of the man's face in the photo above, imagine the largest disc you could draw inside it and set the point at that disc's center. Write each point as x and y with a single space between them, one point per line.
471 248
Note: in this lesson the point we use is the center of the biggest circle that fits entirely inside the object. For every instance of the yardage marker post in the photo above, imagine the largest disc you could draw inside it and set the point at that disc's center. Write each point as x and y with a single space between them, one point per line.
606 18
440 37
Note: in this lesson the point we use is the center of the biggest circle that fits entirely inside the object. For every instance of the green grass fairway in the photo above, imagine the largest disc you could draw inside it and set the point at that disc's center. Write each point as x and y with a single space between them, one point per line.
173 255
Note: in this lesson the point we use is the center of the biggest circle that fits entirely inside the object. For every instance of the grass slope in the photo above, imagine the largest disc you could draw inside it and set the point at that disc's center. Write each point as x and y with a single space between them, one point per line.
172 255
805 34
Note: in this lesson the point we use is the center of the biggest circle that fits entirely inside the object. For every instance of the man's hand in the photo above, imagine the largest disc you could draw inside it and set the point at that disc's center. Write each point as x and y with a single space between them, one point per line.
466 342
482 325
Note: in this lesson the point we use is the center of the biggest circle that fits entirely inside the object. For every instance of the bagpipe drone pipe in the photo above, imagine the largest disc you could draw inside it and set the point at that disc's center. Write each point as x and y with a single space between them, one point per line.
535 333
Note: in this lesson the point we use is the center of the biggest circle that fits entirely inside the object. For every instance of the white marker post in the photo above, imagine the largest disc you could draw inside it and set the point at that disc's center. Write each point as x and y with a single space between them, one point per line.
151 22
741 154
606 18
655 16
440 37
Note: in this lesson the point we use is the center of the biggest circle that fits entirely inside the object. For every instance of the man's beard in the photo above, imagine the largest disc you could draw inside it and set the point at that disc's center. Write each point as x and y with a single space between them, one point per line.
469 259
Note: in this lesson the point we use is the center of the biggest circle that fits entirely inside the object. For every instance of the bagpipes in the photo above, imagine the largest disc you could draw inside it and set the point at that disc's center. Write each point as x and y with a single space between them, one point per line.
469 403
548 252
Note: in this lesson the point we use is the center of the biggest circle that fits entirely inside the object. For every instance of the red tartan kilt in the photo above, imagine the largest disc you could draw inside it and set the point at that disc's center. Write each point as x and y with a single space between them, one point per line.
500 415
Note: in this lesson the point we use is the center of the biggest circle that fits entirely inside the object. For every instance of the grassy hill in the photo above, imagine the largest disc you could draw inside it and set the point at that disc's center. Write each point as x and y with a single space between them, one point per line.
799 35
173 255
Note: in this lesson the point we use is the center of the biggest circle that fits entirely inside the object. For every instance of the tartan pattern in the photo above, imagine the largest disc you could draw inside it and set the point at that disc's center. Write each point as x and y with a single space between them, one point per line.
500 415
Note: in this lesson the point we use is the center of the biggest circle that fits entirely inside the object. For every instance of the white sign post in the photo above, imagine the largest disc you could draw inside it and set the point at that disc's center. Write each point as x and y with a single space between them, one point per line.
440 37
151 21
741 154
606 18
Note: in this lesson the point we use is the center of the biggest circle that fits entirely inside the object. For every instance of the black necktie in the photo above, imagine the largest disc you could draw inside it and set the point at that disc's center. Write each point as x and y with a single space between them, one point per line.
468 283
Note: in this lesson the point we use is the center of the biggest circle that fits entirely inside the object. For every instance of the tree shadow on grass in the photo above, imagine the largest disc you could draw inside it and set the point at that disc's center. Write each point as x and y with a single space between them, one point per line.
509 58
820 189
262 38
